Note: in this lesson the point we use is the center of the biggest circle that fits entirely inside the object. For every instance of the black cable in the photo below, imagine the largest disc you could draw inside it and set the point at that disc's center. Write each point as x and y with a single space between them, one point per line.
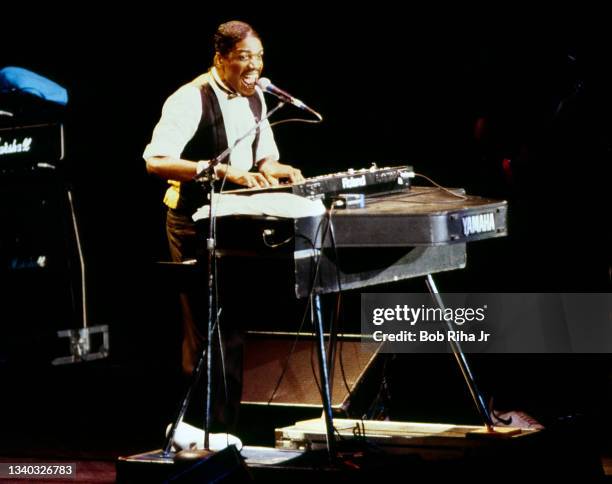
276 244
419 194
339 283
339 300
297 120
461 197
295 340
361 431
312 288
328 229
382 395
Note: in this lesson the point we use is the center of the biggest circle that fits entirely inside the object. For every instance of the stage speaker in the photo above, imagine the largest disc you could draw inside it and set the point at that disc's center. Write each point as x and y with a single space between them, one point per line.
35 268
280 369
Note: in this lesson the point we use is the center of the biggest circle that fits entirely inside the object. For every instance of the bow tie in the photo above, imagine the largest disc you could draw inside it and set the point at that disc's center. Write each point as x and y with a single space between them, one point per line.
230 94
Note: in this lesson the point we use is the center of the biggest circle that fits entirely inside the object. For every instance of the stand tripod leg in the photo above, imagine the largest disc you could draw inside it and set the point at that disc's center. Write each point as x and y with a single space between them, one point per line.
332 344
179 418
210 245
462 362
324 376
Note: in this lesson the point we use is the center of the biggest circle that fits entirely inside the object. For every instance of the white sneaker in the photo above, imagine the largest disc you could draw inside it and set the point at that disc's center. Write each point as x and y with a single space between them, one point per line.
519 419
190 437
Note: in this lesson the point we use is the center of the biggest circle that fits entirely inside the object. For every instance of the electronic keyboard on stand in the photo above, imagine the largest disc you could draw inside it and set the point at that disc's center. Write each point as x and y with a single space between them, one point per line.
394 237
367 181
402 234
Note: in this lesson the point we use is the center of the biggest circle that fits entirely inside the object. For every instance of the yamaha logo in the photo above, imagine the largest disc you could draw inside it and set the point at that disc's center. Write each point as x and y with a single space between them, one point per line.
478 224
11 147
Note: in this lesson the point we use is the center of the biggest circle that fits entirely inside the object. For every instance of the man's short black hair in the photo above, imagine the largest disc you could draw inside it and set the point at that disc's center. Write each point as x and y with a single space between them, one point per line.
230 33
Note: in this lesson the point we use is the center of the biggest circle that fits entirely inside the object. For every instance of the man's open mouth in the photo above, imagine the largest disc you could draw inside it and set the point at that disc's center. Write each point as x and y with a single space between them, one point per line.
249 80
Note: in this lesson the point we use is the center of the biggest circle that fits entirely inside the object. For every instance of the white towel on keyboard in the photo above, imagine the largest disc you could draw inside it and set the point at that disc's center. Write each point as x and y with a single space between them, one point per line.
285 205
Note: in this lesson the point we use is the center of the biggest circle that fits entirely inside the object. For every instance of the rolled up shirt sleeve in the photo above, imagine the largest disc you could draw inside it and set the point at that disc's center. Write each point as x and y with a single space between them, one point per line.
179 121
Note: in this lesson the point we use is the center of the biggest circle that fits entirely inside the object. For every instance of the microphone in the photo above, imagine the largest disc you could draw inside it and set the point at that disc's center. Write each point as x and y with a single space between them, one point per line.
266 85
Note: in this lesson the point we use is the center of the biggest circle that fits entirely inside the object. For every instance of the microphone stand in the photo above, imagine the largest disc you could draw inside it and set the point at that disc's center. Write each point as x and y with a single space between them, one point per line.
207 177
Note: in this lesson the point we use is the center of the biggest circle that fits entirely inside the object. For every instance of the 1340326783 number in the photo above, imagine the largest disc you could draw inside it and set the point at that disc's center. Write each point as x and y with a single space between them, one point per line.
31 469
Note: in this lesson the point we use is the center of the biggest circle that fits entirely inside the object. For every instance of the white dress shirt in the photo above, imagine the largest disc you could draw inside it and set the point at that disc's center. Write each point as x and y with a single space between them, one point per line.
181 116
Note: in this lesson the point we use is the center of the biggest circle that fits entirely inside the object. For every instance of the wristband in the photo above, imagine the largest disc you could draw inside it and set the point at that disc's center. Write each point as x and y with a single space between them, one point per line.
201 166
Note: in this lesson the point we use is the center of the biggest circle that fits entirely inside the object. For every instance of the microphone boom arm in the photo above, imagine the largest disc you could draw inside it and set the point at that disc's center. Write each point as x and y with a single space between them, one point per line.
266 85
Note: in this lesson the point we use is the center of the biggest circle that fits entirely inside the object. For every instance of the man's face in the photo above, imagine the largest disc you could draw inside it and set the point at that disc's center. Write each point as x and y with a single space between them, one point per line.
241 68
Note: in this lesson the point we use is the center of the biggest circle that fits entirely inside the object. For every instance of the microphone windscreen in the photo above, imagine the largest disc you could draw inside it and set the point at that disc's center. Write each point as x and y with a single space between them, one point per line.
263 83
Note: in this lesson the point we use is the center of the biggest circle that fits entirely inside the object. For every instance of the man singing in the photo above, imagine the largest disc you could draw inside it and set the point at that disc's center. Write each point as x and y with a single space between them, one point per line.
198 122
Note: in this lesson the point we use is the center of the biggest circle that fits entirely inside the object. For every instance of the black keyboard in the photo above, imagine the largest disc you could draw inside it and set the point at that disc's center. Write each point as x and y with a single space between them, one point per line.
367 181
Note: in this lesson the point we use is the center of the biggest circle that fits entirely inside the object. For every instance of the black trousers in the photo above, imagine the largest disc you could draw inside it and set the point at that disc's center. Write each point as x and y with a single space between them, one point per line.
185 244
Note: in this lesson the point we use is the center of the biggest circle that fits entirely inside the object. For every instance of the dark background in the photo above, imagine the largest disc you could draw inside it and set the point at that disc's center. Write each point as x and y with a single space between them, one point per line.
445 92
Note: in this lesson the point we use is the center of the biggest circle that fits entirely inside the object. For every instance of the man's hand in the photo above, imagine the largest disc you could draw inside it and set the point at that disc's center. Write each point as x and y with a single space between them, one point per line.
274 171
241 177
